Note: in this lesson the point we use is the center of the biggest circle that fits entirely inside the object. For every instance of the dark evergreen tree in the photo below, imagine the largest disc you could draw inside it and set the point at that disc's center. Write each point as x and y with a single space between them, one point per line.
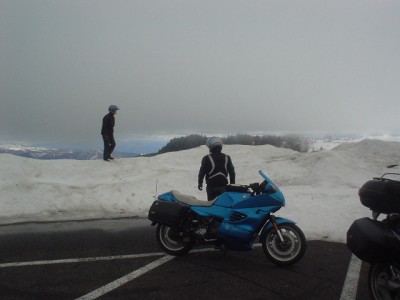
184 143
294 142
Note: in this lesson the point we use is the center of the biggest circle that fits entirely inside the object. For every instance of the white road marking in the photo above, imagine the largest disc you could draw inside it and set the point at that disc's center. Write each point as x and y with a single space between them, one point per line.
349 291
77 260
90 259
125 279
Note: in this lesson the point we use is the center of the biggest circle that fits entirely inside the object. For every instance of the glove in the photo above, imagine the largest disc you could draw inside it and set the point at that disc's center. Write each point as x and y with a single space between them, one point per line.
200 187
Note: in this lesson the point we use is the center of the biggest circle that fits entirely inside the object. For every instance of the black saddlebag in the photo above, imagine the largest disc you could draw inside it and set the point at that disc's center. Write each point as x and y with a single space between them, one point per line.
372 241
381 195
167 213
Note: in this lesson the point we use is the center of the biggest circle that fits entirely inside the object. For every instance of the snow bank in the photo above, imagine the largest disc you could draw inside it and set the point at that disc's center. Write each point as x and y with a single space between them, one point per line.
320 188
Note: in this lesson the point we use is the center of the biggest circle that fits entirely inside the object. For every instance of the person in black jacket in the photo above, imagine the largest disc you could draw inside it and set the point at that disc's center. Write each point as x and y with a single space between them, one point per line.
215 167
107 131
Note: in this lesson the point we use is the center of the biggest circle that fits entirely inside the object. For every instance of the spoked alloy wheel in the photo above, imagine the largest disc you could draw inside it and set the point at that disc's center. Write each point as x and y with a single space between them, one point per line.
290 250
384 282
171 241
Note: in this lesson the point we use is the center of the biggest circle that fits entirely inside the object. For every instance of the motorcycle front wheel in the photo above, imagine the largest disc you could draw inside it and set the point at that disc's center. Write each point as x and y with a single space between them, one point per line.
384 282
290 250
172 241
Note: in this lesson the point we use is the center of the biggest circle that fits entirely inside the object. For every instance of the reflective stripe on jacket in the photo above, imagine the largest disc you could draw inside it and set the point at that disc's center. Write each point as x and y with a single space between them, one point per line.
216 167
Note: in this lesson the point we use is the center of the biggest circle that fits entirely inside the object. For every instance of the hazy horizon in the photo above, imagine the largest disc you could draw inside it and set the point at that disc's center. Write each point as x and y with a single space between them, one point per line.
147 146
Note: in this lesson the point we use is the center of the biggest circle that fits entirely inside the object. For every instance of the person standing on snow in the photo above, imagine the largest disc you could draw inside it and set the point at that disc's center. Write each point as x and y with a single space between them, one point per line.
107 131
215 167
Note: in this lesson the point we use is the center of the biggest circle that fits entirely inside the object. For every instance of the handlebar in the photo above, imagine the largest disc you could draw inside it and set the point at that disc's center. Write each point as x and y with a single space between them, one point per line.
267 186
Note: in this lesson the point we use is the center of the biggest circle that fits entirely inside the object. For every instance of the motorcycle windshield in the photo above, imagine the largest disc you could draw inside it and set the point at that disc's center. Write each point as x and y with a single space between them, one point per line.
267 178
272 188
269 181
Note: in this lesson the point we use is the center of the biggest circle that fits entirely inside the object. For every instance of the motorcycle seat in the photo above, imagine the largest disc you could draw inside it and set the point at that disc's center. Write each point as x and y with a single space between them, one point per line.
191 200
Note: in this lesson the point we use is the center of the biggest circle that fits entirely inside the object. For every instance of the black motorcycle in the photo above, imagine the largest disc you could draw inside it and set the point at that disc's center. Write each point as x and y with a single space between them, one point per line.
378 241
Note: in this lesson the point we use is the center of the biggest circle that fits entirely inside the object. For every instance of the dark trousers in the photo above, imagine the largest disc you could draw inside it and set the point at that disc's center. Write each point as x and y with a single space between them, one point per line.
214 191
109 145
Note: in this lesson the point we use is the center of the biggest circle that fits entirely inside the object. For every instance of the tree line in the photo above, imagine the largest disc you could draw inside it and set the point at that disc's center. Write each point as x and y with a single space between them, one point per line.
294 142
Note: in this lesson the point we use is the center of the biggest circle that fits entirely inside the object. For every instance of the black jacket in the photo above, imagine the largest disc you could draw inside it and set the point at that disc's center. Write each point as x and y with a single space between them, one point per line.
108 124
216 167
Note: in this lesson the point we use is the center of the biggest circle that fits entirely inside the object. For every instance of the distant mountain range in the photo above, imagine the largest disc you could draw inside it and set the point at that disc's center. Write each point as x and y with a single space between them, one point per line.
48 152
58 153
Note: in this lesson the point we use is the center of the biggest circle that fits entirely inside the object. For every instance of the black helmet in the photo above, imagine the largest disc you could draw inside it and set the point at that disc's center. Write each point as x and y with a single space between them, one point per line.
214 142
113 108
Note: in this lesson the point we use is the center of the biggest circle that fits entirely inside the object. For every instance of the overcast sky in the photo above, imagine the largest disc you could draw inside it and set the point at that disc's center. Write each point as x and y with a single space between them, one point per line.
209 66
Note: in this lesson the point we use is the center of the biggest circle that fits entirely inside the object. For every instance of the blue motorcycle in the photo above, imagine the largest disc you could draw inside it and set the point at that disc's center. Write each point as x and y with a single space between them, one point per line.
232 221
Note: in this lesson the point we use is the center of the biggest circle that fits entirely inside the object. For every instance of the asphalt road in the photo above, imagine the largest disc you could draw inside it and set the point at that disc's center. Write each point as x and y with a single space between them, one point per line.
120 259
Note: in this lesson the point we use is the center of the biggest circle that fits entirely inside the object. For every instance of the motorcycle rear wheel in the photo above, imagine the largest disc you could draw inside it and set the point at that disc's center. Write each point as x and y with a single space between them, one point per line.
384 282
171 241
288 252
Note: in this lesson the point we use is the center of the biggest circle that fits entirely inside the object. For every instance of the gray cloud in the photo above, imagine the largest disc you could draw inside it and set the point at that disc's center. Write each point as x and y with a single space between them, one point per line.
197 66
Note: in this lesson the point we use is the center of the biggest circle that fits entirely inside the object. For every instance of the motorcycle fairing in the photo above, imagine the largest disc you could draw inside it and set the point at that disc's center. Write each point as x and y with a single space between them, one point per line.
235 236
229 199
239 227
261 200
